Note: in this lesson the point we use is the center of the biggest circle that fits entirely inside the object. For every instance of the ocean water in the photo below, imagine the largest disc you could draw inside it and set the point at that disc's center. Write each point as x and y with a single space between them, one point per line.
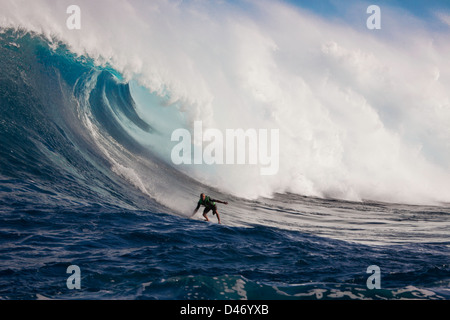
83 181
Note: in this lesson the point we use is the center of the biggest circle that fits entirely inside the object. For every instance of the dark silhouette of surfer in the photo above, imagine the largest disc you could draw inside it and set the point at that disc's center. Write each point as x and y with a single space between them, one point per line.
210 204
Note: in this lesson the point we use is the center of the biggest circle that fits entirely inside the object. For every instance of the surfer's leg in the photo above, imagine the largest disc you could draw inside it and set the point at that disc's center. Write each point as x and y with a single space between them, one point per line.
218 217
217 214
205 212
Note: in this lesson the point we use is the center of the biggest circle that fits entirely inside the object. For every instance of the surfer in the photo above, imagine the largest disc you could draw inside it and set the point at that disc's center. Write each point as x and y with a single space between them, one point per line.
210 204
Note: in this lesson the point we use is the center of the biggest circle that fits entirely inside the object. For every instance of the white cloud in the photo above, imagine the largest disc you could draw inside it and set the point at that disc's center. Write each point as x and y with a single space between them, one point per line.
443 17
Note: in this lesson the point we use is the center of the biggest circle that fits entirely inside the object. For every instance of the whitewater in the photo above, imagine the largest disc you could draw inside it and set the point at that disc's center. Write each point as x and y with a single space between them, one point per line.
87 177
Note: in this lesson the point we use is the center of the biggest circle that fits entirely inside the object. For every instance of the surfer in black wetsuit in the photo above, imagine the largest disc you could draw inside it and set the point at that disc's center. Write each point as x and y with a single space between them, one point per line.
210 204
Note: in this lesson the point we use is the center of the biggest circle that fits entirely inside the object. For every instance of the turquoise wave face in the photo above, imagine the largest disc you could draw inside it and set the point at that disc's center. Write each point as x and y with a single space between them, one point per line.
66 125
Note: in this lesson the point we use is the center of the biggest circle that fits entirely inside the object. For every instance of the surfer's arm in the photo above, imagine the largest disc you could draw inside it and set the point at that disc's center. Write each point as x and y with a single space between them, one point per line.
196 209
223 202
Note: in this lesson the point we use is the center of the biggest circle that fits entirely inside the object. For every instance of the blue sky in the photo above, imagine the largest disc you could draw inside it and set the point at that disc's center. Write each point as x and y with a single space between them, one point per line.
338 9
419 8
